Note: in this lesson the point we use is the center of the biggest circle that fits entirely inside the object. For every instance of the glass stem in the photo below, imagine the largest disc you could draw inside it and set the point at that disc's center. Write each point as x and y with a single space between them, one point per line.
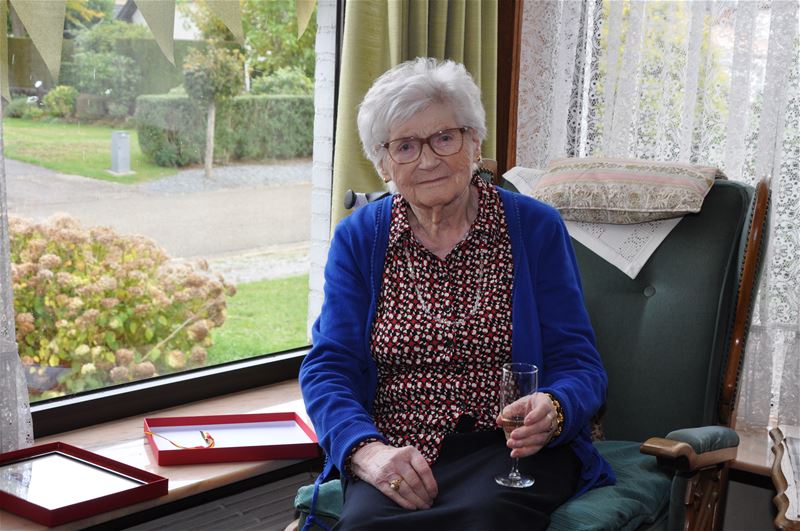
514 470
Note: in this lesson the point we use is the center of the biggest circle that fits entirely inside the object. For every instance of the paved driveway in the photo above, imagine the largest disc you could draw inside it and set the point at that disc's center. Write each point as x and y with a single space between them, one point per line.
243 211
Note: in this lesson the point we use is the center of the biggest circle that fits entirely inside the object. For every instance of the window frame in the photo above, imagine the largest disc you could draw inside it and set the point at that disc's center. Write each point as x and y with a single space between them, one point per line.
135 398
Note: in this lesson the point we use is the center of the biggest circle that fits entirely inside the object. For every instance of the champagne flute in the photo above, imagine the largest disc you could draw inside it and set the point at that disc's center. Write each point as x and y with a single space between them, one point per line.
518 380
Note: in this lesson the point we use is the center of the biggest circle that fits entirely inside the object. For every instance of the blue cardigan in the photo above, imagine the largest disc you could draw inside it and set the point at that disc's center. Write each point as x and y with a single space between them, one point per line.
550 328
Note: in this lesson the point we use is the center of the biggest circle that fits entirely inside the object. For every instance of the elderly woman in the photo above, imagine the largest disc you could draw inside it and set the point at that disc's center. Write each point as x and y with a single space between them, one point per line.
428 293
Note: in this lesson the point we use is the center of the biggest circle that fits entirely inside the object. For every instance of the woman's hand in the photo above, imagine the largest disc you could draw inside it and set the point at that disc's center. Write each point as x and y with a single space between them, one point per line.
538 427
382 466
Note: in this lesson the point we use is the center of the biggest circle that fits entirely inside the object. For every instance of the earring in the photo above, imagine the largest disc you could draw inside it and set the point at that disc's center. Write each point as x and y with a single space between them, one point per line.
486 174
386 179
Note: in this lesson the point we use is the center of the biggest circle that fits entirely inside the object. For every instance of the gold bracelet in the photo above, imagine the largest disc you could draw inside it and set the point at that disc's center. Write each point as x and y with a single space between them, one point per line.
559 416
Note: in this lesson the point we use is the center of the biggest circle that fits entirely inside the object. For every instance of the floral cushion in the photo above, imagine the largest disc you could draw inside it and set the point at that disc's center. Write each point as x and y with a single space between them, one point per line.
622 191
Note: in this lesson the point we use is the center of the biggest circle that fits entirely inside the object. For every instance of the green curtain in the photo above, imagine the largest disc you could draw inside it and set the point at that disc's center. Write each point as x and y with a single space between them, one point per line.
379 34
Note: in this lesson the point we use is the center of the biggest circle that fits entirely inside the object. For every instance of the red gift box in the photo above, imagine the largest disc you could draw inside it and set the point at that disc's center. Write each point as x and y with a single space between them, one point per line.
56 483
245 437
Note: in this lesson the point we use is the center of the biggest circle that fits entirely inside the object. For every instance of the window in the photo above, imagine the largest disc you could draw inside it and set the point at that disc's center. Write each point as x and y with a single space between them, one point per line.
138 262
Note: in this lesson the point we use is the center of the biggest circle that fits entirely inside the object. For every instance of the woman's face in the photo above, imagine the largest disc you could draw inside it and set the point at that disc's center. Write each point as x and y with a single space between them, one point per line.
432 180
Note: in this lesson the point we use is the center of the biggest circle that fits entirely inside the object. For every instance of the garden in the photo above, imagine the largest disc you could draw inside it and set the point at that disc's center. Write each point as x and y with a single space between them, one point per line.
95 307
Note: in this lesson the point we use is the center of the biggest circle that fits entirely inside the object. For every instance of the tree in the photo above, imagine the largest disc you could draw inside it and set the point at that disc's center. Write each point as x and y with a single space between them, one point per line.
78 15
102 37
83 14
97 68
210 77
270 29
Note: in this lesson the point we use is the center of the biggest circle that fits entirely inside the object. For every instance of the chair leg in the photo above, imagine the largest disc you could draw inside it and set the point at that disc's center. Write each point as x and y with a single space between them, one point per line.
705 499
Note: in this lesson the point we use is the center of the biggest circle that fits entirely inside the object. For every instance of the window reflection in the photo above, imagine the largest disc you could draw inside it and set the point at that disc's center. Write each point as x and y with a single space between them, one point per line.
56 480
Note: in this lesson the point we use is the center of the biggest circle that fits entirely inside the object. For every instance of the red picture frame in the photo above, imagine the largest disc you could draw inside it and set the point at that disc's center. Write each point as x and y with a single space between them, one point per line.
243 437
56 483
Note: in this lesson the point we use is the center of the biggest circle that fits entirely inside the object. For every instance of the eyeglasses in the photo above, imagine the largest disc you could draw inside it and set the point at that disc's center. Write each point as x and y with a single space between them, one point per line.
443 143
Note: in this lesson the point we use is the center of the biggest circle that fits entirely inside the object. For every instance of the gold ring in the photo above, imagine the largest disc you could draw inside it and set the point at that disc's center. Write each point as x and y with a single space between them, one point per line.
395 484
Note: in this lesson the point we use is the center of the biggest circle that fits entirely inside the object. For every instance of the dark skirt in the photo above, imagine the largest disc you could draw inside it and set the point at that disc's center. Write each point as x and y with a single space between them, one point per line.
468 496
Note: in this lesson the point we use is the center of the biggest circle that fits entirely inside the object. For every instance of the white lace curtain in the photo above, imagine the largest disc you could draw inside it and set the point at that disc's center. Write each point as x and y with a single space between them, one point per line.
712 82
16 429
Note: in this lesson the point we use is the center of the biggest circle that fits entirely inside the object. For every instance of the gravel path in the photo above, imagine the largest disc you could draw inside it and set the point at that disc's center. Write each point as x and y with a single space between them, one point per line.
37 192
275 173
273 262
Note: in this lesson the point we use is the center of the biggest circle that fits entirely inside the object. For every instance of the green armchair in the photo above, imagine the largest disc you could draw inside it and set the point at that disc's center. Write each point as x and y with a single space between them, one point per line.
672 341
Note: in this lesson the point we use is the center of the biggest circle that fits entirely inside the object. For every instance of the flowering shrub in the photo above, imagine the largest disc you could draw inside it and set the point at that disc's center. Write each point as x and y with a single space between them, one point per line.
60 101
95 308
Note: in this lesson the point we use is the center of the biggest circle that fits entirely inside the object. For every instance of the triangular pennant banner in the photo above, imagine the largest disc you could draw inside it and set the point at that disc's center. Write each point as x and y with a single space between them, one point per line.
44 22
230 13
160 17
5 92
304 9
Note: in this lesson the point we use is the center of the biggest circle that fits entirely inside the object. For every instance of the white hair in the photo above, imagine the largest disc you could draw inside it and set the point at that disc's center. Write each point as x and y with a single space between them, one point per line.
411 87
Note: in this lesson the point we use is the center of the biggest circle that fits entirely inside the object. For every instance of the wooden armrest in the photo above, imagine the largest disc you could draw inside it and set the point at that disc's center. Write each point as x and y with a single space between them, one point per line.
682 457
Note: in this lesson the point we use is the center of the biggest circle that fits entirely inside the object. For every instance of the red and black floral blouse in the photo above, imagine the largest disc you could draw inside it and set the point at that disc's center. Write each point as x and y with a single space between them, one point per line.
442 329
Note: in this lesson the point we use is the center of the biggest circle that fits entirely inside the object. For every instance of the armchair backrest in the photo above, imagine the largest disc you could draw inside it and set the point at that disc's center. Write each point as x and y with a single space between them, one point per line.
669 337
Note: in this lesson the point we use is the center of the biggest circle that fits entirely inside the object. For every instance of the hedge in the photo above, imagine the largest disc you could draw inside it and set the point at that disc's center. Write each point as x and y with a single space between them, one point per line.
171 128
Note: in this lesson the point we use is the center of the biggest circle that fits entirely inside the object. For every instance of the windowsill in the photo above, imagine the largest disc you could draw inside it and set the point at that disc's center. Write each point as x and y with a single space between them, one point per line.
123 440
754 455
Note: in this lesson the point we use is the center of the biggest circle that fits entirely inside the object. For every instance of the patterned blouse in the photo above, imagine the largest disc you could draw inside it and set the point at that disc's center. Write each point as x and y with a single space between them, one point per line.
442 329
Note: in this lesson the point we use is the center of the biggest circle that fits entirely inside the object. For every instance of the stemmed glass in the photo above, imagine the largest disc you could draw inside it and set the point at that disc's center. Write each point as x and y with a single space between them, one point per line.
518 380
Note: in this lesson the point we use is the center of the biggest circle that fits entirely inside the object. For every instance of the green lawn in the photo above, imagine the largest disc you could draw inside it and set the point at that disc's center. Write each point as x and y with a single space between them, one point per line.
264 316
74 149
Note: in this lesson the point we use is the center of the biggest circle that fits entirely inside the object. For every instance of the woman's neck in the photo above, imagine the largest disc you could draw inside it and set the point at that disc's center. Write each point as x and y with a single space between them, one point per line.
440 229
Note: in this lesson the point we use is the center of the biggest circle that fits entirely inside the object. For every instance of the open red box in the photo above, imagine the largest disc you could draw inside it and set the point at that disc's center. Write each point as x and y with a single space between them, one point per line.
56 483
244 437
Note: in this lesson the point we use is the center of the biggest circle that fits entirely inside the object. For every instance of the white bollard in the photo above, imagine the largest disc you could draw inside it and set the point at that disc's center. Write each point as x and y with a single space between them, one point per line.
120 153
